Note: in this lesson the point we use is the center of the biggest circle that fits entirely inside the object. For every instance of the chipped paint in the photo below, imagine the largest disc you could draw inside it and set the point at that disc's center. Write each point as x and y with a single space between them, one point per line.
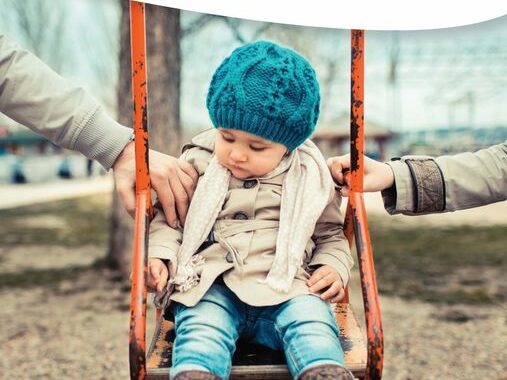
137 333
356 220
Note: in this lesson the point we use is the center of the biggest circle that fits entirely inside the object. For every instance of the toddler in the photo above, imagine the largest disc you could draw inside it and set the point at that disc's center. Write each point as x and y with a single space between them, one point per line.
262 252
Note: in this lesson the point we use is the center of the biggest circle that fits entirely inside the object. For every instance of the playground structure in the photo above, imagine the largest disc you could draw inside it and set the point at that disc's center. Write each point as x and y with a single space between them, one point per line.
364 359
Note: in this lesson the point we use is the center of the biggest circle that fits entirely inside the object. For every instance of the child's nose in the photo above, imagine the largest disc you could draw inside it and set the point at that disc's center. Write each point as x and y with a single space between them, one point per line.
238 155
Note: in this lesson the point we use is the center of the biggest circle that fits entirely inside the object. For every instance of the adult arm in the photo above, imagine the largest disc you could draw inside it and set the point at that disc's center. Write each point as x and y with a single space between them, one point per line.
425 185
37 97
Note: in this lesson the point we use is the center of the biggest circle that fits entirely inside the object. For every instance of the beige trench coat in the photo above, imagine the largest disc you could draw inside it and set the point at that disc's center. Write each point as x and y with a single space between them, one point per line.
242 244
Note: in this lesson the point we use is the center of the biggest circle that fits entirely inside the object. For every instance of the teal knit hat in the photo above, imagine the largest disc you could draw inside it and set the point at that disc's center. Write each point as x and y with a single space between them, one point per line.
267 90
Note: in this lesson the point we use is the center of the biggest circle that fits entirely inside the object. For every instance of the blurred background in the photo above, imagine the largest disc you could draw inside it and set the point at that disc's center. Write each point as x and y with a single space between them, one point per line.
430 92
66 240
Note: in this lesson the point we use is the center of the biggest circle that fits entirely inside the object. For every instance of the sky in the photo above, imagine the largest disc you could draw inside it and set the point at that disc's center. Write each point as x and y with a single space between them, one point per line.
455 76
445 77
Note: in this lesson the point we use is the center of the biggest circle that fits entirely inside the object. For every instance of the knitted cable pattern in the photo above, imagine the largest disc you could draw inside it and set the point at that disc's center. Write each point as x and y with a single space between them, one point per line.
267 90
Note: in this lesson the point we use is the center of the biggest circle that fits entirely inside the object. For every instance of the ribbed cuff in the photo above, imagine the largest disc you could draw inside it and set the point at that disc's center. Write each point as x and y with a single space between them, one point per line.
102 138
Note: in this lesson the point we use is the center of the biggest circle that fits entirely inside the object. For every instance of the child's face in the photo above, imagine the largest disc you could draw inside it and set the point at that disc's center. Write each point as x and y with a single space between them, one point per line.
247 155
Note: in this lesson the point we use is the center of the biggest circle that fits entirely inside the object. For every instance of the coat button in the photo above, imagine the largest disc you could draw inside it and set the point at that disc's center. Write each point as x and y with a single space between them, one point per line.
248 184
240 216
228 258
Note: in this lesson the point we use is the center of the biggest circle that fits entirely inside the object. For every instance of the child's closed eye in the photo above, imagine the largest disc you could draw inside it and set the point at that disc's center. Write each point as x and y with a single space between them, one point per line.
257 148
228 139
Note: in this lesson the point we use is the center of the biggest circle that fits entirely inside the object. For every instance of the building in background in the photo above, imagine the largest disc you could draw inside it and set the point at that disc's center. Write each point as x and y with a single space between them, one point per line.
333 137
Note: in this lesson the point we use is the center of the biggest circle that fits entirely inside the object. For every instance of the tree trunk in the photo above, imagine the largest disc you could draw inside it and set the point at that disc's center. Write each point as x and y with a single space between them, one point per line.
164 62
164 67
120 233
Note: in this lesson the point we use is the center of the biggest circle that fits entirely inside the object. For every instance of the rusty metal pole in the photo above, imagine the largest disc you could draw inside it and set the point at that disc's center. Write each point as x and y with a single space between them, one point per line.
137 334
356 219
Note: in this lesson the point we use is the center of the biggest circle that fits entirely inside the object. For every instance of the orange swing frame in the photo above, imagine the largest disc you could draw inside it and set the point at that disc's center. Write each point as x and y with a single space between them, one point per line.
356 223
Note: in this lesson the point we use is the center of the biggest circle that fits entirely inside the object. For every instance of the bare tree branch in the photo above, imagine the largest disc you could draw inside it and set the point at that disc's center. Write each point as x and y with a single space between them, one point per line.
41 25
233 25
196 25
261 30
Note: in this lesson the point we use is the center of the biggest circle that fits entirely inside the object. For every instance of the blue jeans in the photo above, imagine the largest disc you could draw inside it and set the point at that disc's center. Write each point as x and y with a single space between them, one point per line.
303 327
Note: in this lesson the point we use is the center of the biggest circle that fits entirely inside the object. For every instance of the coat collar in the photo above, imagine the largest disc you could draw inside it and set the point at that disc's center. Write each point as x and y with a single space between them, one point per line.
204 140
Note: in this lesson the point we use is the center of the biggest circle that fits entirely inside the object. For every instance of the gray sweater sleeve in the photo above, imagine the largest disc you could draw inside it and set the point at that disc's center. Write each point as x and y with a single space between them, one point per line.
35 96
425 185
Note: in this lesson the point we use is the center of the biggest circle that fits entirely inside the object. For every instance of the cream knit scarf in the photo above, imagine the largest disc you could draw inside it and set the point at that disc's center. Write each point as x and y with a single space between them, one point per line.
307 189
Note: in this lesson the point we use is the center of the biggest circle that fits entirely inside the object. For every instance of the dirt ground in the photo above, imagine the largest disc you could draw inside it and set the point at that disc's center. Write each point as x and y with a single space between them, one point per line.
77 327
78 330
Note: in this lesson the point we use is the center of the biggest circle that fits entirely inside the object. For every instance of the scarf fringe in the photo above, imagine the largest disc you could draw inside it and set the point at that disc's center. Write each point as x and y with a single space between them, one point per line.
186 275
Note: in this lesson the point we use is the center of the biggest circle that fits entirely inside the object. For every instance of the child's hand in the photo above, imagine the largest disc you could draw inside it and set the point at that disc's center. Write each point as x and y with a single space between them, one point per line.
327 277
158 274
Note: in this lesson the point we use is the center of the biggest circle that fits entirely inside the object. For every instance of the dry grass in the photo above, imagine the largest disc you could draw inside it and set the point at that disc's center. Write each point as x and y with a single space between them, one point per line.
459 264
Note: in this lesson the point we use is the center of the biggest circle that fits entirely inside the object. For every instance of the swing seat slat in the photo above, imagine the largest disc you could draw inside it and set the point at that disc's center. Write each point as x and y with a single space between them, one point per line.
252 361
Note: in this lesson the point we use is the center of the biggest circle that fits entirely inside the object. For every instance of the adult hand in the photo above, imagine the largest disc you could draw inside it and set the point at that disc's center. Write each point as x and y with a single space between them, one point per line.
327 277
173 180
377 175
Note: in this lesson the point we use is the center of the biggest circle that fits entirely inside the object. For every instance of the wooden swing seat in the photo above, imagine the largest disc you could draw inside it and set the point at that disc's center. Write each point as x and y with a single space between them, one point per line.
257 362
